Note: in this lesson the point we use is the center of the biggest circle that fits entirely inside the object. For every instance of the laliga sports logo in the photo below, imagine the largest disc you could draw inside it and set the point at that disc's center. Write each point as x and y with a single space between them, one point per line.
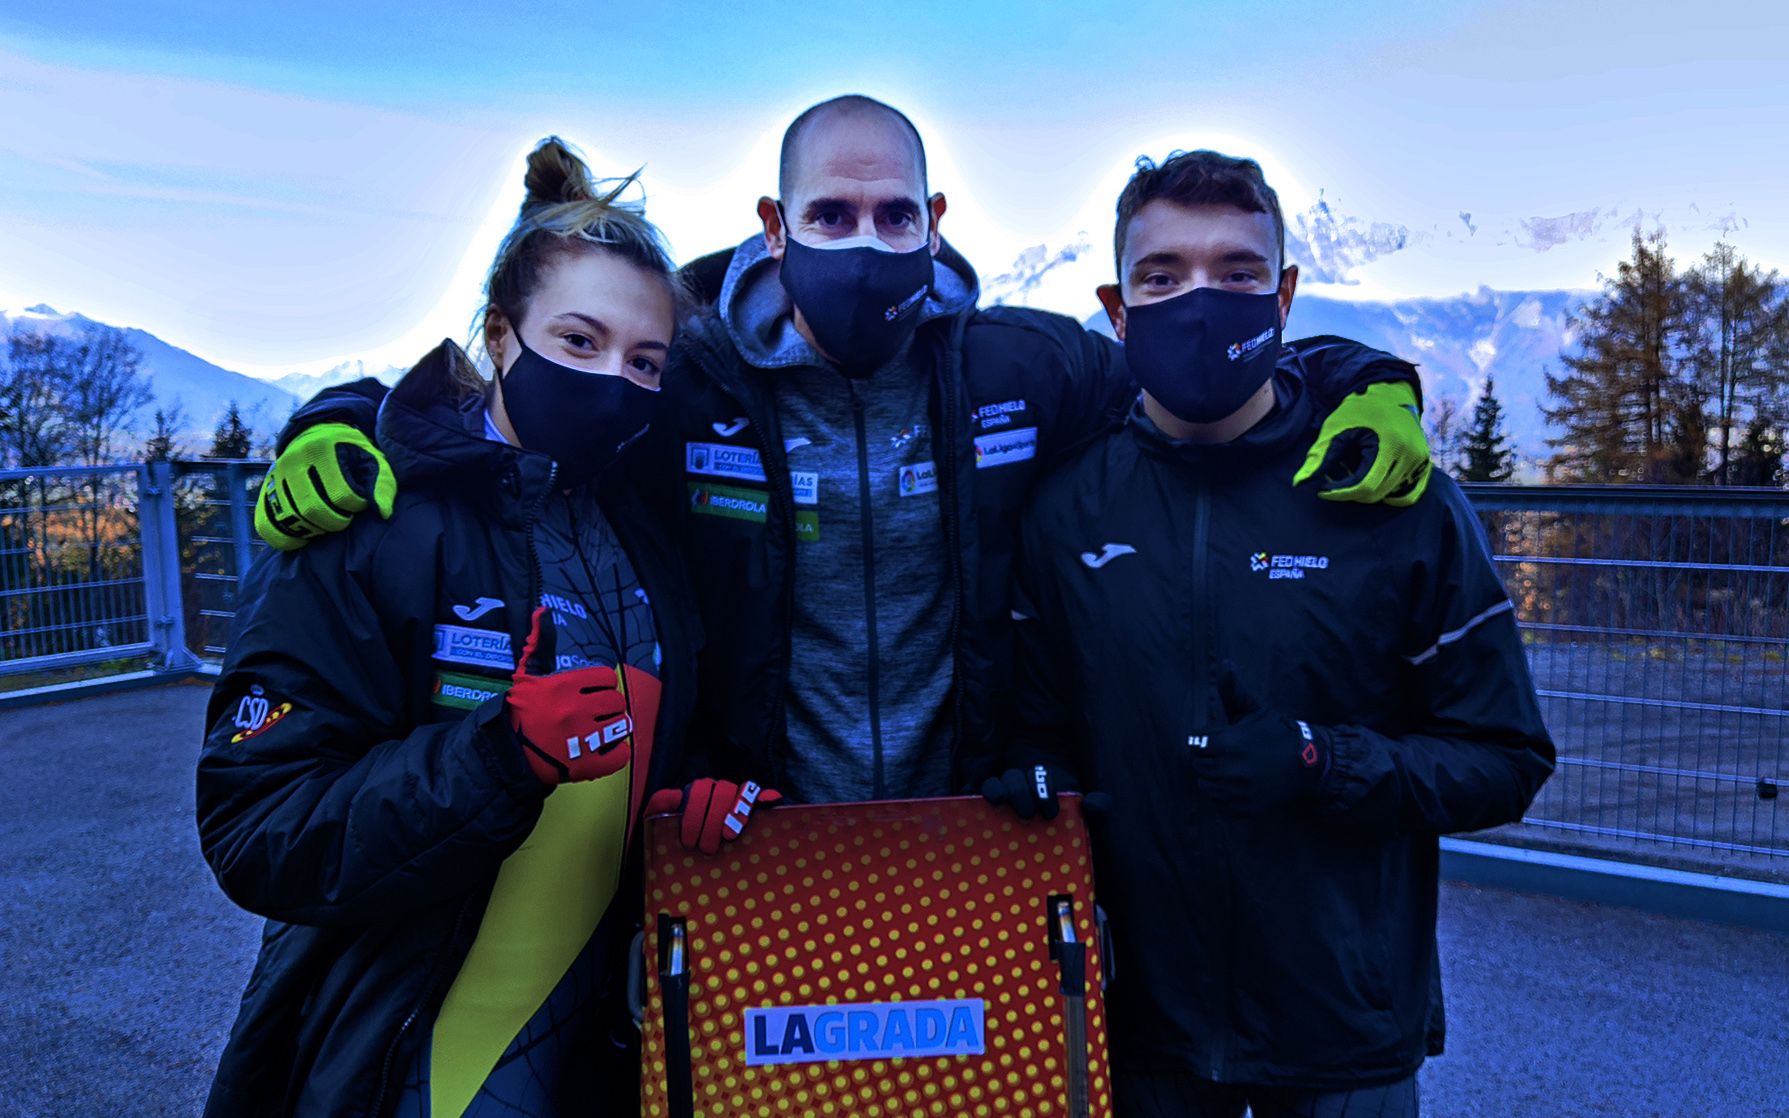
904 305
1243 349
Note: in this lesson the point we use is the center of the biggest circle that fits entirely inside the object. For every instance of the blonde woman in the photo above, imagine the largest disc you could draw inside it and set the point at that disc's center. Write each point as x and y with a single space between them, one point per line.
435 731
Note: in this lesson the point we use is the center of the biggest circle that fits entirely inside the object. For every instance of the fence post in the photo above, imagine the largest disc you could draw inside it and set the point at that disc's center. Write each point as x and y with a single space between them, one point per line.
237 479
161 566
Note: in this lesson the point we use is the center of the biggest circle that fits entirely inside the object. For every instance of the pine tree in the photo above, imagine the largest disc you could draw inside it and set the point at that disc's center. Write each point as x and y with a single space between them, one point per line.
163 444
1485 453
1615 403
233 438
1735 320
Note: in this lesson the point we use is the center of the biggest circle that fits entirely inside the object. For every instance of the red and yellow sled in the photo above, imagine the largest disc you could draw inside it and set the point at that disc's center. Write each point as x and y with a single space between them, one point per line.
917 958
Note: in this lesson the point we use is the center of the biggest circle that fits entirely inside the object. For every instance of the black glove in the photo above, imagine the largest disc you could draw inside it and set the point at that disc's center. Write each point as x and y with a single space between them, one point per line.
1262 759
1029 792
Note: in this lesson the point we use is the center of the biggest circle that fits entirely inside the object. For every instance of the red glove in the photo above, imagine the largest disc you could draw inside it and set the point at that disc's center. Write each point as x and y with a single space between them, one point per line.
713 810
573 725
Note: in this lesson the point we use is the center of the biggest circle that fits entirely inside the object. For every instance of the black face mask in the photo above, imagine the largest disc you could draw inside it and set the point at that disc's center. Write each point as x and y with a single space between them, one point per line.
1204 353
582 421
862 302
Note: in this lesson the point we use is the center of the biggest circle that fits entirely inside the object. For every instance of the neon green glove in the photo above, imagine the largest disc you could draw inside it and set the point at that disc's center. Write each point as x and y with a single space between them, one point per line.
315 487
1371 449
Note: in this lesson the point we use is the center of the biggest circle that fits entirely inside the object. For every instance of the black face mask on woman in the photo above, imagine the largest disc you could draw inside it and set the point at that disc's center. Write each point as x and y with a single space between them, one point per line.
582 421
1201 355
860 297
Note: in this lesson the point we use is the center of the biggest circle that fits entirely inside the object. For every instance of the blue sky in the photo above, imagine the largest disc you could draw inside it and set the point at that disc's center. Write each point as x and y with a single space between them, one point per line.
281 187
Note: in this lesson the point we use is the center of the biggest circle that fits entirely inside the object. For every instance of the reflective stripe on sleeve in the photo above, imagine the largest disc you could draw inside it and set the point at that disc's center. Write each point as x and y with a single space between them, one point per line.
1453 635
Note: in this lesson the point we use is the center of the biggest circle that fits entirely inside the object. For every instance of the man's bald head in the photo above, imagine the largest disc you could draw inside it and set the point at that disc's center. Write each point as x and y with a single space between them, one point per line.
851 110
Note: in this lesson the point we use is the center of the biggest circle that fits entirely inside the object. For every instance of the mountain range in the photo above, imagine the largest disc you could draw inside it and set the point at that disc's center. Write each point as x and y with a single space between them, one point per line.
1458 342
1510 337
203 390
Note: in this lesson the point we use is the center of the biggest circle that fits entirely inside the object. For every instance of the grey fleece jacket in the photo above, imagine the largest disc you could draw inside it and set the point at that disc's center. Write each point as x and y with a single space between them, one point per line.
870 656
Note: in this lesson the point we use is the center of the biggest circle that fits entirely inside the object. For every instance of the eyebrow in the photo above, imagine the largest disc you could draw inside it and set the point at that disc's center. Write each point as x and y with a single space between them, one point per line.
1238 256
846 204
597 326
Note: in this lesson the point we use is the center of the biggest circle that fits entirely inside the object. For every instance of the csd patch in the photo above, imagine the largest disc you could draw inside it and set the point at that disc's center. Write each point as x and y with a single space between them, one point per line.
1007 447
799 1034
255 713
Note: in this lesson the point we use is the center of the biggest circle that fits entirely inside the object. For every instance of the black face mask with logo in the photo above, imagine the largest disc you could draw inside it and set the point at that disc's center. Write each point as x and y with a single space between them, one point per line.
582 421
1204 353
861 298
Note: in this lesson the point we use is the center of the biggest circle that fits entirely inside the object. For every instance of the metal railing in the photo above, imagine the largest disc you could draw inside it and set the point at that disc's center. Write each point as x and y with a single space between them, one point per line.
1656 621
107 563
1657 628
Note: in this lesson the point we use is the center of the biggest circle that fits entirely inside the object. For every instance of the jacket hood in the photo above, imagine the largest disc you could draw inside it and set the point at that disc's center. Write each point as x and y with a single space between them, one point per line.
431 428
760 318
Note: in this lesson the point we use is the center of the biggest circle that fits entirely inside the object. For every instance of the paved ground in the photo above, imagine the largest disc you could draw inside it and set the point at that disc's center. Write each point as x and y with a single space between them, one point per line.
120 963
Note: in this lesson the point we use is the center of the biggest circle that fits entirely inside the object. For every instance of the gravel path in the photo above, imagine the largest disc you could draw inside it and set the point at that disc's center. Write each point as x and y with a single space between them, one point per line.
121 963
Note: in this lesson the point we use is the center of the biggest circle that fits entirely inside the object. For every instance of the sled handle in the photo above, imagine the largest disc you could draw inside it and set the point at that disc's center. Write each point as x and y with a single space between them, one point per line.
674 987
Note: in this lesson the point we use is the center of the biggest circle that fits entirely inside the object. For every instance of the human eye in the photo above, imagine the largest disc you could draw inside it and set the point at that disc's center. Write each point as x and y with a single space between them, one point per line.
830 218
580 342
644 365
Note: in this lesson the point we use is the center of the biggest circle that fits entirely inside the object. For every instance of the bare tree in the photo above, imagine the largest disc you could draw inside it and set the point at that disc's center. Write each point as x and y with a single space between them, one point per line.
33 427
103 391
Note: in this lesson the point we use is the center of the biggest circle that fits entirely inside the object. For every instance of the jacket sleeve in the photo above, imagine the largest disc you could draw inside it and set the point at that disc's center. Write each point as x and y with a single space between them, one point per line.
1334 367
317 803
1476 750
1042 730
356 404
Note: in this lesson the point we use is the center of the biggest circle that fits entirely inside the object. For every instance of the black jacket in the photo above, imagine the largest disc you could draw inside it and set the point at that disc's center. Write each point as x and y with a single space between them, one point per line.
339 797
1294 947
993 370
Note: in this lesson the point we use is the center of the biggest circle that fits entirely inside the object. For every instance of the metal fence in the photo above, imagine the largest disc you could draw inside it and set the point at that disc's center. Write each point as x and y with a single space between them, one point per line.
114 563
1657 627
1656 620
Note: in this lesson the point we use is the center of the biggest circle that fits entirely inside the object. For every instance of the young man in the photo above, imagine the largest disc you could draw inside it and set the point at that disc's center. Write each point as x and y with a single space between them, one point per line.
856 439
1287 700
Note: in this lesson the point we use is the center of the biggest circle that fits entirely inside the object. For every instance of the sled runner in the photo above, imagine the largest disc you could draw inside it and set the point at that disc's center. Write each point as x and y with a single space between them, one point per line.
911 958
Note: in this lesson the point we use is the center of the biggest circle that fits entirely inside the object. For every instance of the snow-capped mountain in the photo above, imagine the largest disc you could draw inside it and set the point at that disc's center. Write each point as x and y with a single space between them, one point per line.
202 389
1511 336
306 385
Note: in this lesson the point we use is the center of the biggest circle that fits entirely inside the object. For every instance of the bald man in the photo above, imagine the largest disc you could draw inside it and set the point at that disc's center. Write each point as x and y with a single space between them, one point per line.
851 440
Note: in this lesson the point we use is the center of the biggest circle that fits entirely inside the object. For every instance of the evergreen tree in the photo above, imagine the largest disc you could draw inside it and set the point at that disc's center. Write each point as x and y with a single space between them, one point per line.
163 445
233 438
1615 403
1485 454
1735 317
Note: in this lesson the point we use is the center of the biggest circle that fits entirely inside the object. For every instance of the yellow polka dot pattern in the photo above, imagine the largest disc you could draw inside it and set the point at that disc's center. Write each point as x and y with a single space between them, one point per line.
903 901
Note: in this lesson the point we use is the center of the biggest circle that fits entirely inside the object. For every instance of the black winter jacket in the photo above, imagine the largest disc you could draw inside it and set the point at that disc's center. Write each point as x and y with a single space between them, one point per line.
340 798
1294 947
994 371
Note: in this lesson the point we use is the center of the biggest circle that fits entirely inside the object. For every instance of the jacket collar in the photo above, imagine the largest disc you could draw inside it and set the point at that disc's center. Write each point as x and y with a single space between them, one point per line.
431 428
1287 425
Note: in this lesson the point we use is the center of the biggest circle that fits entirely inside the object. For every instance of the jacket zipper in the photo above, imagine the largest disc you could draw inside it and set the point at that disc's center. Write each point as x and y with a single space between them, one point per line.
434 975
1202 720
878 782
946 449
428 990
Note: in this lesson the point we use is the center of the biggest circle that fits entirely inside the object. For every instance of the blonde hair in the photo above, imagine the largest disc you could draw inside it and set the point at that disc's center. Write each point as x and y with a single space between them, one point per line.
567 212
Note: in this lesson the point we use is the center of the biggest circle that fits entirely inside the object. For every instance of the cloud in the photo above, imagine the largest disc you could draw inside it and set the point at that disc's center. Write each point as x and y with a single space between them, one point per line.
1328 247
1543 233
